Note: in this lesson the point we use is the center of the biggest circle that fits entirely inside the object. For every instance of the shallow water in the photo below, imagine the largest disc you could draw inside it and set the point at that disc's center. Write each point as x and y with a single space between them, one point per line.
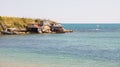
89 48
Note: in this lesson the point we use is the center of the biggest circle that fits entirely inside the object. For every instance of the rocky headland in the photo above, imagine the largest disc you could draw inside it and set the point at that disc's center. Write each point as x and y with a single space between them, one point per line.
17 25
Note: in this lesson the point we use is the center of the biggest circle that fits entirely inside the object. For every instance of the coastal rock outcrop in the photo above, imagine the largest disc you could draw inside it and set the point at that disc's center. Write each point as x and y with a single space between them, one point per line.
28 25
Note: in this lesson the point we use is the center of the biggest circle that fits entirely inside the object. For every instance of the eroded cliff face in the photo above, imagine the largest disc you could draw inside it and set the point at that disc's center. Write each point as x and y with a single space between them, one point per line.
42 25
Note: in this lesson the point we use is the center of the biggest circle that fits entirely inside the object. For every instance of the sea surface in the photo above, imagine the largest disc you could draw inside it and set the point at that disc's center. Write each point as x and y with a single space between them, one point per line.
90 45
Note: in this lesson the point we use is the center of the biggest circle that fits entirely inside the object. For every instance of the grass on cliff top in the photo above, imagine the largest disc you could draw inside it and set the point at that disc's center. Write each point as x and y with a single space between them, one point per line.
17 22
10 22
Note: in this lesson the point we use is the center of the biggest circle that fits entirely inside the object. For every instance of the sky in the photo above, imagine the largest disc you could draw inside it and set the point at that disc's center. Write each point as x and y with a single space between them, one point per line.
97 11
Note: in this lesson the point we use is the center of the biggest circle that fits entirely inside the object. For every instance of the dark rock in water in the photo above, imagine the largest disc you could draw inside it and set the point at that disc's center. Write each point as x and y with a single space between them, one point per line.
8 32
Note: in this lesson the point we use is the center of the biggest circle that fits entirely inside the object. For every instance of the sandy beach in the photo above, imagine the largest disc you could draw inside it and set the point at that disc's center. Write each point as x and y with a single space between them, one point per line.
20 64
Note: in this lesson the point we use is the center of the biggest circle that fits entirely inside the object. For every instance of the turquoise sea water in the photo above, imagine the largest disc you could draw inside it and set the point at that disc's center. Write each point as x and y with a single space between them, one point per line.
90 45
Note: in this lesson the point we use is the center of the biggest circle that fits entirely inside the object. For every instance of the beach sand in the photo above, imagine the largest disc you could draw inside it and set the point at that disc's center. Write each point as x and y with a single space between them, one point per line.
19 64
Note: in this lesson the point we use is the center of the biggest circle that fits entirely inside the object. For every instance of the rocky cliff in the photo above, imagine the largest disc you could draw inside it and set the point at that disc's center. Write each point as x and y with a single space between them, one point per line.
22 23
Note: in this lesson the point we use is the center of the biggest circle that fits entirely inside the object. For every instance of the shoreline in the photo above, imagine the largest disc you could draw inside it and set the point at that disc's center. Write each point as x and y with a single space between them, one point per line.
21 64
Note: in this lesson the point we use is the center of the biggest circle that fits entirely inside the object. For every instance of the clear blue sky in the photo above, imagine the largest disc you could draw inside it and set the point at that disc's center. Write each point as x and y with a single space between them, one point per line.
63 10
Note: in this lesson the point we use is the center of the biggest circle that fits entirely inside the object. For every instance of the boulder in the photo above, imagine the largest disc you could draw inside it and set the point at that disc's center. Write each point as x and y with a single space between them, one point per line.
46 29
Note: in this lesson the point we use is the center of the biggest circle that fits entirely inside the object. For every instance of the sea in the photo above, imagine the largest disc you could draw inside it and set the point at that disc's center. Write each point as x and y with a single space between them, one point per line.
89 45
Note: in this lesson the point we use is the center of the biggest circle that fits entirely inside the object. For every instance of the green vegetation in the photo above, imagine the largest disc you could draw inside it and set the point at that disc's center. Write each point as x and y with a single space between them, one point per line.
0 18
15 22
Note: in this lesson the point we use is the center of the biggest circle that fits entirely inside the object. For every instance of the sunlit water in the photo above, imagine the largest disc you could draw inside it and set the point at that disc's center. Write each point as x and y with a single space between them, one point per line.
90 45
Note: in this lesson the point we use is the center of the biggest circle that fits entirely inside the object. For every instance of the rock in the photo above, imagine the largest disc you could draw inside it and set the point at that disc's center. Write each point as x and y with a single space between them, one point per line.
46 29
67 31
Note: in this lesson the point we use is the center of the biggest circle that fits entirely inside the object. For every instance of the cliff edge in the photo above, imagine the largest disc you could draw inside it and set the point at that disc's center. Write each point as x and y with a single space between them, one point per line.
17 25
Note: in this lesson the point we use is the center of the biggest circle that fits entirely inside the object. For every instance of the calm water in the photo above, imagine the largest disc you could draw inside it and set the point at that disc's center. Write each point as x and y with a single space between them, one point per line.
90 45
